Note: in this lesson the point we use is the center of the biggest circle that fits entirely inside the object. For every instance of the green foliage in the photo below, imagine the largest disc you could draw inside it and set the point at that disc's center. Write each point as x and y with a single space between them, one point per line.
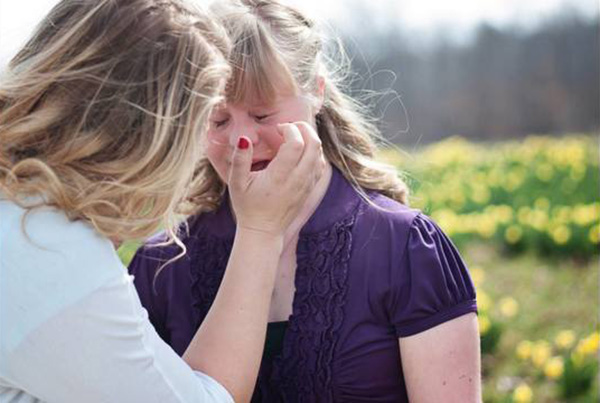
577 379
539 194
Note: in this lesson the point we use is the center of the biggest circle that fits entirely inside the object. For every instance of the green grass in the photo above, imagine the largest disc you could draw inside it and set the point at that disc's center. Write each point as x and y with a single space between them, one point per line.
553 295
127 250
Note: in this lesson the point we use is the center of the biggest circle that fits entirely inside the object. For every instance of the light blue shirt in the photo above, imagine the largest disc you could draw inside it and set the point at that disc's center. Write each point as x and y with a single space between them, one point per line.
72 328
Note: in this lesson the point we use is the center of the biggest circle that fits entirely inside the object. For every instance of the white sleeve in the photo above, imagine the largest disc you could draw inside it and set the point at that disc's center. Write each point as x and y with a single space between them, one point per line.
103 349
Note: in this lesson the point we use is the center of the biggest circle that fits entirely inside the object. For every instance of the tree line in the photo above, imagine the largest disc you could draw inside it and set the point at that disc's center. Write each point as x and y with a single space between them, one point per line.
504 83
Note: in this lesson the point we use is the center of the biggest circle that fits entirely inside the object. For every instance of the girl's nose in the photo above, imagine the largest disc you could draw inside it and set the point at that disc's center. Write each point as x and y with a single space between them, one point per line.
253 135
249 131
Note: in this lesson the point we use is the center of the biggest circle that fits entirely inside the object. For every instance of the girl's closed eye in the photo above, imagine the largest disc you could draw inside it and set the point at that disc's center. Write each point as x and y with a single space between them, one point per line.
220 122
260 118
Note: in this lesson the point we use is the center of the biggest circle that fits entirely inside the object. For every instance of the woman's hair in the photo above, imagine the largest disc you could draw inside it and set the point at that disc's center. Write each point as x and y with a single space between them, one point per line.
102 112
275 48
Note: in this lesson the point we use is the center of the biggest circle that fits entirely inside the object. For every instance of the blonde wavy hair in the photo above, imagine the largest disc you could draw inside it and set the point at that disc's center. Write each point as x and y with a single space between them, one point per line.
276 47
103 110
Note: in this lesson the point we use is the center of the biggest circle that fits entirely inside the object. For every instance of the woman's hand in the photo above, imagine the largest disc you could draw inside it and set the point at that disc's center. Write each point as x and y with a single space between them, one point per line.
268 201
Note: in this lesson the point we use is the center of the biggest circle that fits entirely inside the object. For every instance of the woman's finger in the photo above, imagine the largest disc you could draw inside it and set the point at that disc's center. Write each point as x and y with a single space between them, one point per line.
289 153
271 136
241 163
311 161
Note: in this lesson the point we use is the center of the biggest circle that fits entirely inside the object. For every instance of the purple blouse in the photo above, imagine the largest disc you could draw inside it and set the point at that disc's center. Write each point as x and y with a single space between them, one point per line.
365 277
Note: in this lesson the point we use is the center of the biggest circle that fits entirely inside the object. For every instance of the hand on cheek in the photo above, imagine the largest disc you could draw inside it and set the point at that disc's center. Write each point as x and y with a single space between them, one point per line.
267 140
272 138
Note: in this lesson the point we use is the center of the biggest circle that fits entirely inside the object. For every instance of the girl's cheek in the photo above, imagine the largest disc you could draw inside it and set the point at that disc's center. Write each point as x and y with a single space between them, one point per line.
218 156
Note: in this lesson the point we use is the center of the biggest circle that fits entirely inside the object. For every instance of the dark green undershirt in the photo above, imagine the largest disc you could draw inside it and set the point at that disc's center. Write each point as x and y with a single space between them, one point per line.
273 348
274 340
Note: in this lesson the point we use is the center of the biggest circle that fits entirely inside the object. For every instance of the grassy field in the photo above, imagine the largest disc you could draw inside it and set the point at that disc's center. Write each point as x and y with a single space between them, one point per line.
551 296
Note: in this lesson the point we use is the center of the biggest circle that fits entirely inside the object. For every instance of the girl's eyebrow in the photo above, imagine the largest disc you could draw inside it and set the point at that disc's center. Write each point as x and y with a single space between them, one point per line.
261 104
263 107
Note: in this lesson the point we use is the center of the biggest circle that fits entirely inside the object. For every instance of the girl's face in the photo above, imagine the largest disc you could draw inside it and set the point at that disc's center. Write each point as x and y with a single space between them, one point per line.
258 122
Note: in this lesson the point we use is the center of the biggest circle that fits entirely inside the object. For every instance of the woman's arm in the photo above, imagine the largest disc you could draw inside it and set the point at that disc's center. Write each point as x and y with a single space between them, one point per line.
228 346
103 349
442 364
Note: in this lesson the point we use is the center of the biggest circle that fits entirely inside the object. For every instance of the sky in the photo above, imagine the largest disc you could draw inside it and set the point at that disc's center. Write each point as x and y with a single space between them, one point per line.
424 17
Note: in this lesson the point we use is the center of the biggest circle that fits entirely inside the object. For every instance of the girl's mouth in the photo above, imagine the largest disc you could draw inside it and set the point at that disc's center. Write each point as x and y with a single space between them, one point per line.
260 165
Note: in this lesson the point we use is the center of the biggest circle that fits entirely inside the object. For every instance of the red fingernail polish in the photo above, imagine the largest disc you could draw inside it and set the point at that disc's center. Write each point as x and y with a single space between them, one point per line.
243 143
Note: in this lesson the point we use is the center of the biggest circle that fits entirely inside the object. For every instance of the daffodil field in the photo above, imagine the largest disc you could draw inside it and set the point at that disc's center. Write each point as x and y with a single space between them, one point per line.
538 343
540 193
526 216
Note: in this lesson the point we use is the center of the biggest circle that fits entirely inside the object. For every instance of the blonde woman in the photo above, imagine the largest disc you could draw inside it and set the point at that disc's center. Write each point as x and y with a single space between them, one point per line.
102 117
375 304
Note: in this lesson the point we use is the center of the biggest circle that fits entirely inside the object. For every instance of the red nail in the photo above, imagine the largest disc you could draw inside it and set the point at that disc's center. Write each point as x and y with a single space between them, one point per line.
243 143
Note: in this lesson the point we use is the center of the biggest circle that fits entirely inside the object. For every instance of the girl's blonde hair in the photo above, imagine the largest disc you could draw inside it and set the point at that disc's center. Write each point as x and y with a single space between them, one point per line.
102 112
276 48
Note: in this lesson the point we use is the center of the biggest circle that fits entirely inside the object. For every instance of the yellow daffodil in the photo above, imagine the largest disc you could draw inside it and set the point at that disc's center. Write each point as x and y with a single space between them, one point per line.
484 324
513 234
524 349
589 345
540 353
565 339
522 394
561 234
508 306
484 302
594 235
554 367
477 275
486 227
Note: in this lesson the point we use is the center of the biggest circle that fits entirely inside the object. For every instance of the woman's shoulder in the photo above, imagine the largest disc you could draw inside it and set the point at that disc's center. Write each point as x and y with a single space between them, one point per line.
47 234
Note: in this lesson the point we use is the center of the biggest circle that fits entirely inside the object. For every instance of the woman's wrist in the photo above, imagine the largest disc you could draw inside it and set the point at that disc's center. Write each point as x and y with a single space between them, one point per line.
258 240
271 240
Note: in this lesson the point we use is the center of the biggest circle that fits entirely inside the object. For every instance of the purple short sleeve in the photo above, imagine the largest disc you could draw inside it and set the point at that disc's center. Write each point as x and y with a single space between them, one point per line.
433 284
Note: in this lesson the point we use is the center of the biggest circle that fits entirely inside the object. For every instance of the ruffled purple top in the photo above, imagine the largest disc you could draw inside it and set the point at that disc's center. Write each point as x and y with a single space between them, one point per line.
365 277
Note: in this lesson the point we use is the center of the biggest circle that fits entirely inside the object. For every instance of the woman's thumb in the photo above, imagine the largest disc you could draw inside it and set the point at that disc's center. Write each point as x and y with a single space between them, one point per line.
241 163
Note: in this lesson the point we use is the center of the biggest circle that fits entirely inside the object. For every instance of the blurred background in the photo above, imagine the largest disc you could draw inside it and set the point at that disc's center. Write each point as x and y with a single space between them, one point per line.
491 111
